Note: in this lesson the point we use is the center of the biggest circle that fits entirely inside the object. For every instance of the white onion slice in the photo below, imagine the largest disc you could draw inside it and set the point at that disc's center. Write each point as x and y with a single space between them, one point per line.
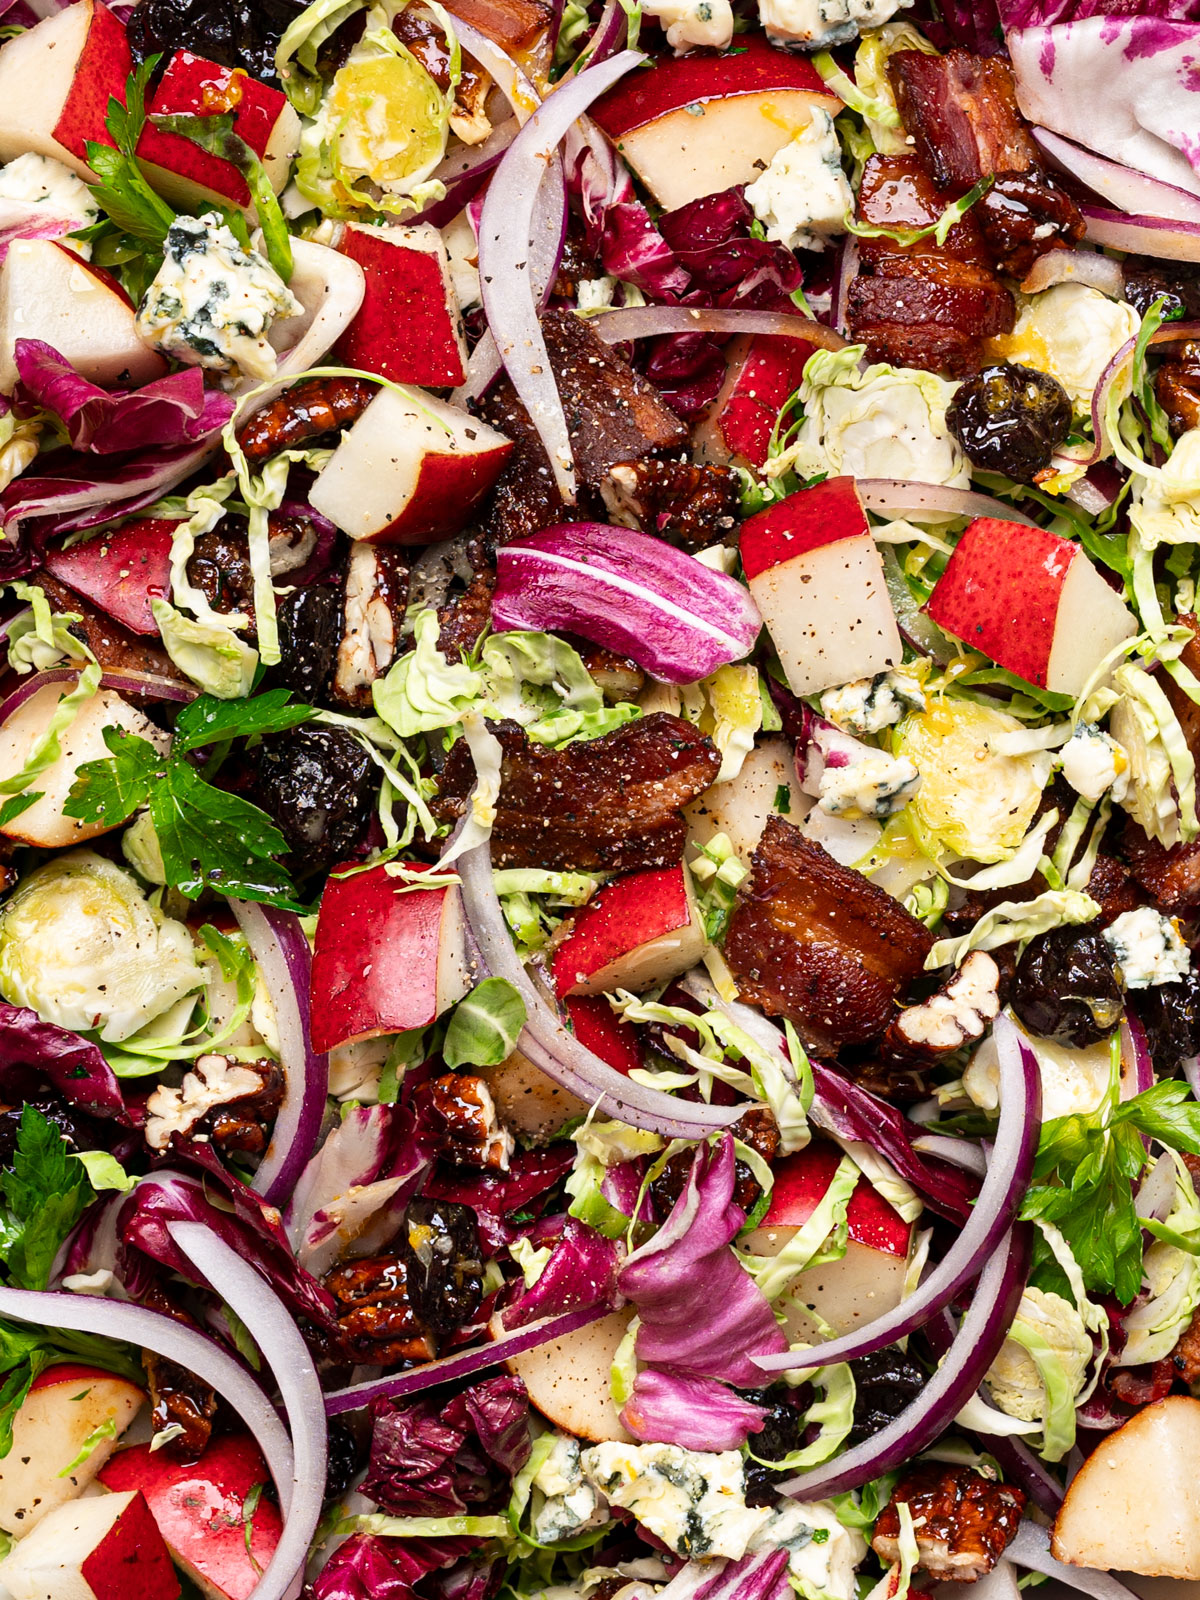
1134 192
651 322
1031 1550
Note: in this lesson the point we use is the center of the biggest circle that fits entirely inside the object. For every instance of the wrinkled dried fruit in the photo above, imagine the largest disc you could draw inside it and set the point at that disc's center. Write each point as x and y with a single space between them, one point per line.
1065 987
1010 419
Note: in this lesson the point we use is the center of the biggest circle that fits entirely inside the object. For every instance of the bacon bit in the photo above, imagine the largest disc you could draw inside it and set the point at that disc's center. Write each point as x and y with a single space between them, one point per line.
816 942
1171 877
464 620
960 111
613 803
963 1521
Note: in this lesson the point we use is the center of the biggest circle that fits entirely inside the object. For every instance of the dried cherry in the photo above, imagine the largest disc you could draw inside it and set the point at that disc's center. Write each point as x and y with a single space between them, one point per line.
1065 987
233 33
316 784
1010 419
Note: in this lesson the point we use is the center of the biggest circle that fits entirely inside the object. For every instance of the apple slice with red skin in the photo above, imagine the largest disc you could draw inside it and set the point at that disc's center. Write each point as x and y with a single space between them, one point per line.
409 471
1032 601
763 370
409 328
701 123
121 572
817 578
200 1509
63 1409
386 958
740 806
642 929
48 292
103 1548
868 1280
56 80
190 177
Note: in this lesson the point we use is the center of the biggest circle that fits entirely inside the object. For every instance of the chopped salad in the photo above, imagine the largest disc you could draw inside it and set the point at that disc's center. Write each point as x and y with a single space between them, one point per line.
599 854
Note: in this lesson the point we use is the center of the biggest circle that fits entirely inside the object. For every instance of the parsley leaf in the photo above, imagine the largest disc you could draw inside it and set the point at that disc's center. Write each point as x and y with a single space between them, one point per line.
208 837
45 1192
1165 1112
123 191
215 134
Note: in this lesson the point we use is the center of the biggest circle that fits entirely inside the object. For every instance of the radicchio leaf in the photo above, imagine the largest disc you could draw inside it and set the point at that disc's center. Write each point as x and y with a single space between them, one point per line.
581 1271
367 1567
76 1068
694 1413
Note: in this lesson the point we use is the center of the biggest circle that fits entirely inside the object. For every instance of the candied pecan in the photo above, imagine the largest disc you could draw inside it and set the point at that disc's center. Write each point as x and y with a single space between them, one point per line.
459 1117
463 620
425 38
1178 282
1025 214
1177 385
617 677
957 1015
376 1320
373 604
114 646
305 412
960 111
232 1102
963 1520
219 566
688 504
613 803
756 1128
177 1396
819 943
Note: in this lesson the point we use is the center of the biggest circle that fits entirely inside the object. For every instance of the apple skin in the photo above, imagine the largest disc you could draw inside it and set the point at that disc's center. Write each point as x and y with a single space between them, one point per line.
409 471
409 328
65 1404
121 572
763 370
1030 600
642 929
817 579
262 116
106 1548
199 1509
100 72
384 962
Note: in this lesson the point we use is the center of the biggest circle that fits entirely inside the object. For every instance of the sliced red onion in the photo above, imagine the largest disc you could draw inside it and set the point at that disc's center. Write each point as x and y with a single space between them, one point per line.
677 618
895 495
464 173
1010 1169
1116 370
463 1363
844 276
507 238
1133 192
1091 495
1029 1471
609 35
982 1332
1076 266
650 322
146 684
958 1152
1137 1066
274 1331
547 1043
1147 236
278 945
1031 1550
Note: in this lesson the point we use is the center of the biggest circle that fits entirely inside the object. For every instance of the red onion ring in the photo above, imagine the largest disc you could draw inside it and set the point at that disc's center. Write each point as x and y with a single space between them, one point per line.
1010 1169
278 945
98 502
1148 236
510 239
271 1327
1031 1550
147 685
1115 369
545 1040
463 174
462 1363
1030 1471
650 322
1130 191
1076 266
894 494
197 1353
958 1152
982 1332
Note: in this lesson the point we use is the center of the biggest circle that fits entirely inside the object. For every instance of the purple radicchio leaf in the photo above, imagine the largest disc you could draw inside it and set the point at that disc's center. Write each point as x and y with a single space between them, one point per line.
368 1567
75 1067
694 1413
581 1271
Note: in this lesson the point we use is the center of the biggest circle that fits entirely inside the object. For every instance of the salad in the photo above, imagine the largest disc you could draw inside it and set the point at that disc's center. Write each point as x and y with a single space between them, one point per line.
599 852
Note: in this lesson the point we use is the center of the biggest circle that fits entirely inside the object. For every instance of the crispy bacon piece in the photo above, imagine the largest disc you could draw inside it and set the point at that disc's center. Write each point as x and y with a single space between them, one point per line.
1185 1358
463 620
963 1520
1025 214
1171 877
922 305
511 23
612 803
114 646
613 414
688 504
960 110
1177 385
305 411
816 942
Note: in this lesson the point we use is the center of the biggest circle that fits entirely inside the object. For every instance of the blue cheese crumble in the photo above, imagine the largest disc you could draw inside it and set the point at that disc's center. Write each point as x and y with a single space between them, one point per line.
570 1504
821 24
692 1500
804 196
868 705
876 787
1148 948
692 23
1094 764
212 303
822 1554
42 181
